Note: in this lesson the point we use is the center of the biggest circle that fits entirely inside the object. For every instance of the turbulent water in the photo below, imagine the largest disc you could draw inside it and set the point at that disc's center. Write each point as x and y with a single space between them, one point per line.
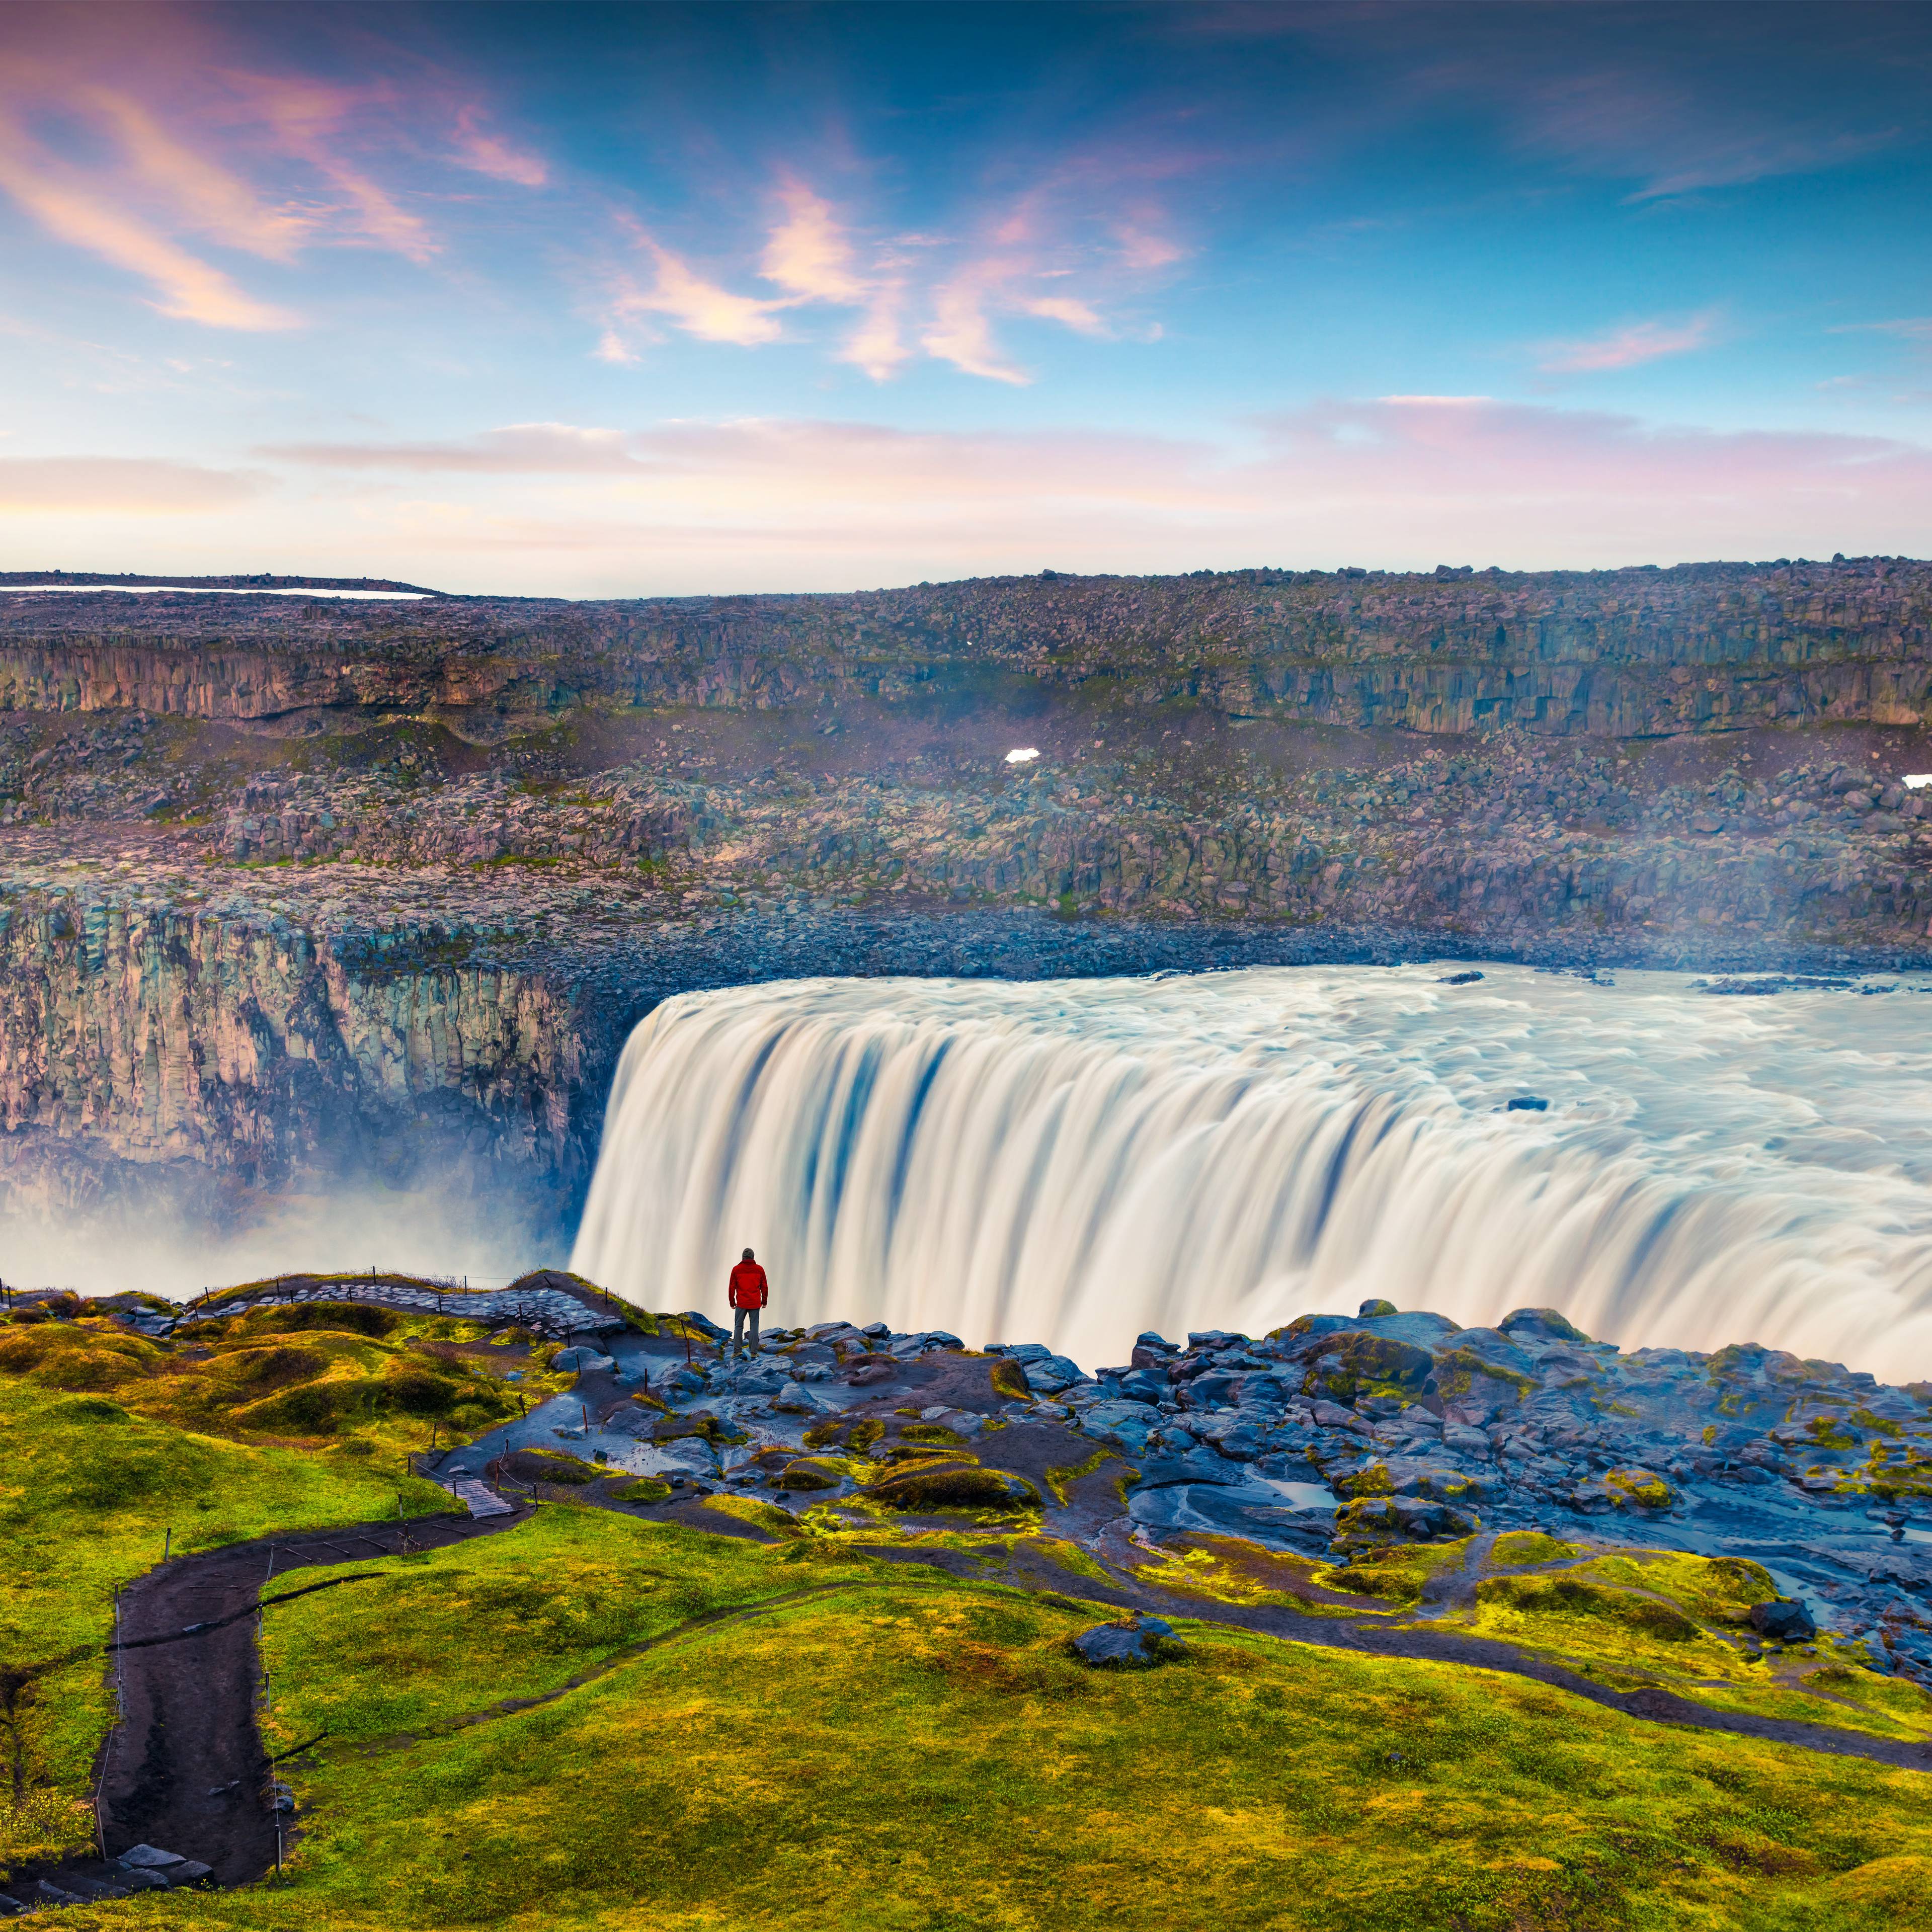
1073 1161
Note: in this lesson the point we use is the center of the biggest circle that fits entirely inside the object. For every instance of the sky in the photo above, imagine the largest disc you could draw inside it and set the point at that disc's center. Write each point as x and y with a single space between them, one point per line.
621 300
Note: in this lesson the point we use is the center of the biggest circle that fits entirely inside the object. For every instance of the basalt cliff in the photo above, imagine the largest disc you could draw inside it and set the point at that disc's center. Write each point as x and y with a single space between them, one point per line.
293 889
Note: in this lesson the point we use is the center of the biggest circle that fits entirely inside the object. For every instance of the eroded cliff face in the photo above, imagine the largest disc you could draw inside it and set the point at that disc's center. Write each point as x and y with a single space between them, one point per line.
1616 653
179 1055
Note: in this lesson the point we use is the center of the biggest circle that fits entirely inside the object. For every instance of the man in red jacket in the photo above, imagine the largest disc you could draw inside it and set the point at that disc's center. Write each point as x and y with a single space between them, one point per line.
749 1293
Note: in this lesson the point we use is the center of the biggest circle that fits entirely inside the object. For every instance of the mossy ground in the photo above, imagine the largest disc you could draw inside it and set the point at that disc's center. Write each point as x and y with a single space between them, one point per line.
896 1750
802 1734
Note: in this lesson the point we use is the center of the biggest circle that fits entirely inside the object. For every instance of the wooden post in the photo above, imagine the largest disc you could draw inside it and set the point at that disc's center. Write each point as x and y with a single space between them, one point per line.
167 1544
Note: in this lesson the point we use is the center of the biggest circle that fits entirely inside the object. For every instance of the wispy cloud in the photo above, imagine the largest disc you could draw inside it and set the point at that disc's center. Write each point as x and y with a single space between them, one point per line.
960 332
809 254
71 209
1913 328
475 147
878 345
1400 482
1630 345
138 485
144 134
1075 314
516 449
701 308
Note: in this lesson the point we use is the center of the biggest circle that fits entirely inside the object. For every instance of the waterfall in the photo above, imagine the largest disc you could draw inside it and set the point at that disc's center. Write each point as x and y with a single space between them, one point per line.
1072 1162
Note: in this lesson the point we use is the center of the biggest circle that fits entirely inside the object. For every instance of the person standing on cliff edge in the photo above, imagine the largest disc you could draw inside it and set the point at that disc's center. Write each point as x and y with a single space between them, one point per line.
749 1292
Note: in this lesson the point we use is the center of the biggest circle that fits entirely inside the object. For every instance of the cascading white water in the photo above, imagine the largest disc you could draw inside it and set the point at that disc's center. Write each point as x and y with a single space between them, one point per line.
1073 1161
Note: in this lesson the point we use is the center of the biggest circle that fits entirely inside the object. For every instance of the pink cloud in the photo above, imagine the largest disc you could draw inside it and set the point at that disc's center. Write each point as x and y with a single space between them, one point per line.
1402 482
518 449
808 253
72 210
878 345
307 119
961 333
491 154
1075 314
1633 344
127 131
699 308
137 485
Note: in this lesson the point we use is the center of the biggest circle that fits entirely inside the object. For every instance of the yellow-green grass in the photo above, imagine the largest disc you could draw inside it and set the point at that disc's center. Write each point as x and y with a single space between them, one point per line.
513 1615
89 1491
1529 1546
909 1754
1399 1574
1633 1619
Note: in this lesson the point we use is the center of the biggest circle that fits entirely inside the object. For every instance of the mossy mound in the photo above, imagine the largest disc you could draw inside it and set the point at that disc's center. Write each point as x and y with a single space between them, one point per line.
803 1474
1529 1546
550 1466
954 1486
643 1489
347 1318
1567 1596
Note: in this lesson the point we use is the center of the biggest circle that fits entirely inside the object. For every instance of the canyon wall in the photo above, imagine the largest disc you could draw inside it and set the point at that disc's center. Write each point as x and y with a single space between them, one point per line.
187 1057
1616 653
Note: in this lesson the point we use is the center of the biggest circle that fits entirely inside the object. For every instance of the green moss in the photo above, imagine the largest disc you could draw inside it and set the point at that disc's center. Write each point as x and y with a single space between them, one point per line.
1529 1546
644 1490
1639 1488
551 1465
954 1486
1061 1478
1010 1380
1571 1596
807 1473
1375 1480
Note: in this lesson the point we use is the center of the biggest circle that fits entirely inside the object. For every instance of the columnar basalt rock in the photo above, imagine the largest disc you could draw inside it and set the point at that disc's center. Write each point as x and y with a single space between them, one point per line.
1611 653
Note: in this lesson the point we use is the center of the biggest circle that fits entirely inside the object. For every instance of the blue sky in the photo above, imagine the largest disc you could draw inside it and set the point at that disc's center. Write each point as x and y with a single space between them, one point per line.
620 300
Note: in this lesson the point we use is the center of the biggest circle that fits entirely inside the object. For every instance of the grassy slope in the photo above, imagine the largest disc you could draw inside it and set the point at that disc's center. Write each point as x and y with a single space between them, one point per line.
903 1751
88 1490
894 1749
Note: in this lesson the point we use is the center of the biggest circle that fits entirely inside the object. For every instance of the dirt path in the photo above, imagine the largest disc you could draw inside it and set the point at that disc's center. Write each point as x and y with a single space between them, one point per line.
186 1769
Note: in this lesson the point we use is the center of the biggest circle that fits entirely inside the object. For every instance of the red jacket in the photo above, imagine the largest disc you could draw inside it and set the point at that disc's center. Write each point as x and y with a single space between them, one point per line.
748 1287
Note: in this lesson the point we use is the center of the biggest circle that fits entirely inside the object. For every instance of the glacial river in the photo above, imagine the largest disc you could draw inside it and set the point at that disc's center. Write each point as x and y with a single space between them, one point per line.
1074 1161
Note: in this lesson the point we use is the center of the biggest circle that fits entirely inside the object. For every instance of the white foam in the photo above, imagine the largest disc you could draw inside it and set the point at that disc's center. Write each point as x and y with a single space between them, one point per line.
1072 1162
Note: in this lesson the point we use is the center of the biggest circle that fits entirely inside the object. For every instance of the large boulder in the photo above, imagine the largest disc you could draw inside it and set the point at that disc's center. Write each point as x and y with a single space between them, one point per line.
1784 1620
1138 1644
